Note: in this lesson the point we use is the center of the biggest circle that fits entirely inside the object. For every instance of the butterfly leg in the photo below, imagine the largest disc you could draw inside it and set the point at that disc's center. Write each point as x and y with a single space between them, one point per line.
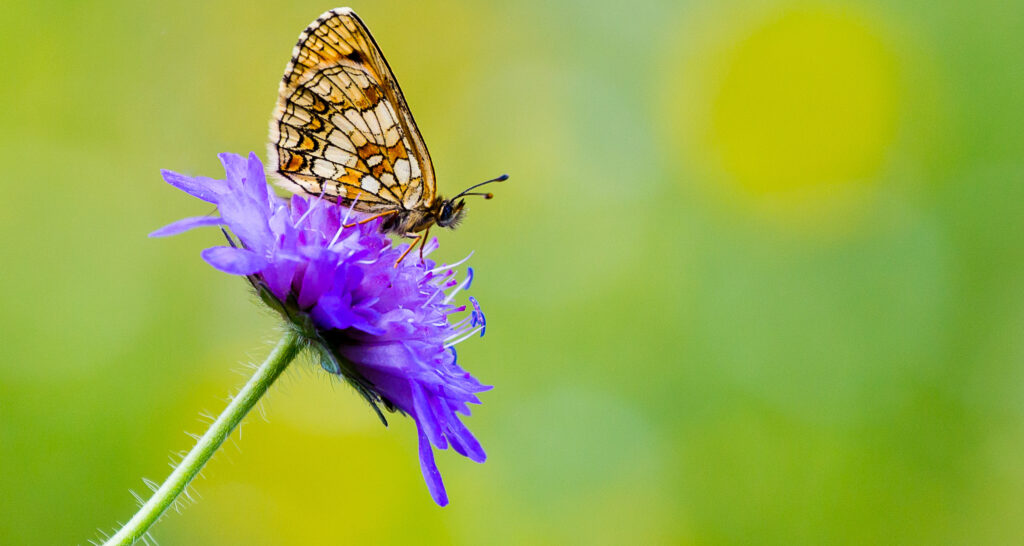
423 242
417 239
370 219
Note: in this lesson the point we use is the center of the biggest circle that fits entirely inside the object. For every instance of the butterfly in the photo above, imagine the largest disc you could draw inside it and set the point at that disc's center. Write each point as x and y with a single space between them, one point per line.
341 130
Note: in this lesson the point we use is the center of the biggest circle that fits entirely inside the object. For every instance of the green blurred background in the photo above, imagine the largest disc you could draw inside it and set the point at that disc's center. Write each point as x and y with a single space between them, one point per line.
757 277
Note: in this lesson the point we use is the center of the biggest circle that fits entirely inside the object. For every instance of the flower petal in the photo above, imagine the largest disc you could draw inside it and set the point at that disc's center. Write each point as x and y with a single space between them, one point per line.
462 439
236 261
279 274
431 474
335 311
316 279
207 189
235 167
256 180
249 222
186 224
425 417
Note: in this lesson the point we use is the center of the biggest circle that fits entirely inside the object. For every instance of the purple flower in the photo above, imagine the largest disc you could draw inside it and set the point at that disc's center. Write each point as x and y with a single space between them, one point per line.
387 330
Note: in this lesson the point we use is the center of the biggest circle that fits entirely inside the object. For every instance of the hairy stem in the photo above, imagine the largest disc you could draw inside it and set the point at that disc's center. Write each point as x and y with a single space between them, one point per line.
186 471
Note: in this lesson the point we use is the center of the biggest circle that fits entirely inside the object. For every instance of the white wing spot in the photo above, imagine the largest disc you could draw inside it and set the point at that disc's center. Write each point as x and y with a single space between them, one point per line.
391 136
357 121
341 157
388 179
302 97
360 79
402 170
374 160
341 140
297 115
372 124
357 138
369 184
383 113
289 137
324 169
324 88
388 125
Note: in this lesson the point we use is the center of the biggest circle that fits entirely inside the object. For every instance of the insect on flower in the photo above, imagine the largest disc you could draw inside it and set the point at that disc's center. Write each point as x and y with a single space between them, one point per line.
341 130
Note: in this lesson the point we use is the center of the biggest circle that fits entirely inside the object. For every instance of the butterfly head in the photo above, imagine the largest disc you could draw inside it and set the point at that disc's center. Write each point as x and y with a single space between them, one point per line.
449 212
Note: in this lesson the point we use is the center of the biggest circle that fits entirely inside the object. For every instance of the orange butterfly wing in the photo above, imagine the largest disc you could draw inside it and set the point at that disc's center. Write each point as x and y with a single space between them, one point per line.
341 128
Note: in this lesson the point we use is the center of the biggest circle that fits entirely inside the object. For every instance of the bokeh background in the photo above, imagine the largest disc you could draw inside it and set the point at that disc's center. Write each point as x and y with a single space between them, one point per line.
756 279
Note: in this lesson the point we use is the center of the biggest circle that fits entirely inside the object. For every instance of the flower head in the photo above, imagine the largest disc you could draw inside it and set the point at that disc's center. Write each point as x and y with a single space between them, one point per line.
387 329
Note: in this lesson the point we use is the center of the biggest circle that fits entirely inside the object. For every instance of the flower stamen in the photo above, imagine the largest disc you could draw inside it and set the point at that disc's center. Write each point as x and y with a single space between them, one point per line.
464 338
454 265
459 288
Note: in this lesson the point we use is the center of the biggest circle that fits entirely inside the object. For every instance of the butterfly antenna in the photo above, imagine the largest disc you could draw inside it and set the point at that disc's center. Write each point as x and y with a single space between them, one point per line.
465 192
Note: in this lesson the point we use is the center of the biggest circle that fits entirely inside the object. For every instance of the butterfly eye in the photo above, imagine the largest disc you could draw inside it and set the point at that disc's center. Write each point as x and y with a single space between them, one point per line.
446 215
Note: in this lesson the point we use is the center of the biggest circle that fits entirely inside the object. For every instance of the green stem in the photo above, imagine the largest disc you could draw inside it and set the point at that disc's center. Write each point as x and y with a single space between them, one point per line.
164 496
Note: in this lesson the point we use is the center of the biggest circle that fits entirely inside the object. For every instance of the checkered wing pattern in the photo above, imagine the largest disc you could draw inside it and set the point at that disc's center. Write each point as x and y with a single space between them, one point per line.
342 129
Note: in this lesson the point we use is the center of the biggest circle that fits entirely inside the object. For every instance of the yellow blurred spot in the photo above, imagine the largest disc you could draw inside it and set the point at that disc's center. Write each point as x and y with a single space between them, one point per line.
807 99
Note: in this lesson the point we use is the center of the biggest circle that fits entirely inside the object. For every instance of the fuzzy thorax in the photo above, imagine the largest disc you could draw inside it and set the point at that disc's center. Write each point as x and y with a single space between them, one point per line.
444 213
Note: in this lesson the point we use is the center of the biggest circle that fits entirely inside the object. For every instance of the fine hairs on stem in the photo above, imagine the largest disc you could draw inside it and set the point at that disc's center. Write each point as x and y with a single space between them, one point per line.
177 483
